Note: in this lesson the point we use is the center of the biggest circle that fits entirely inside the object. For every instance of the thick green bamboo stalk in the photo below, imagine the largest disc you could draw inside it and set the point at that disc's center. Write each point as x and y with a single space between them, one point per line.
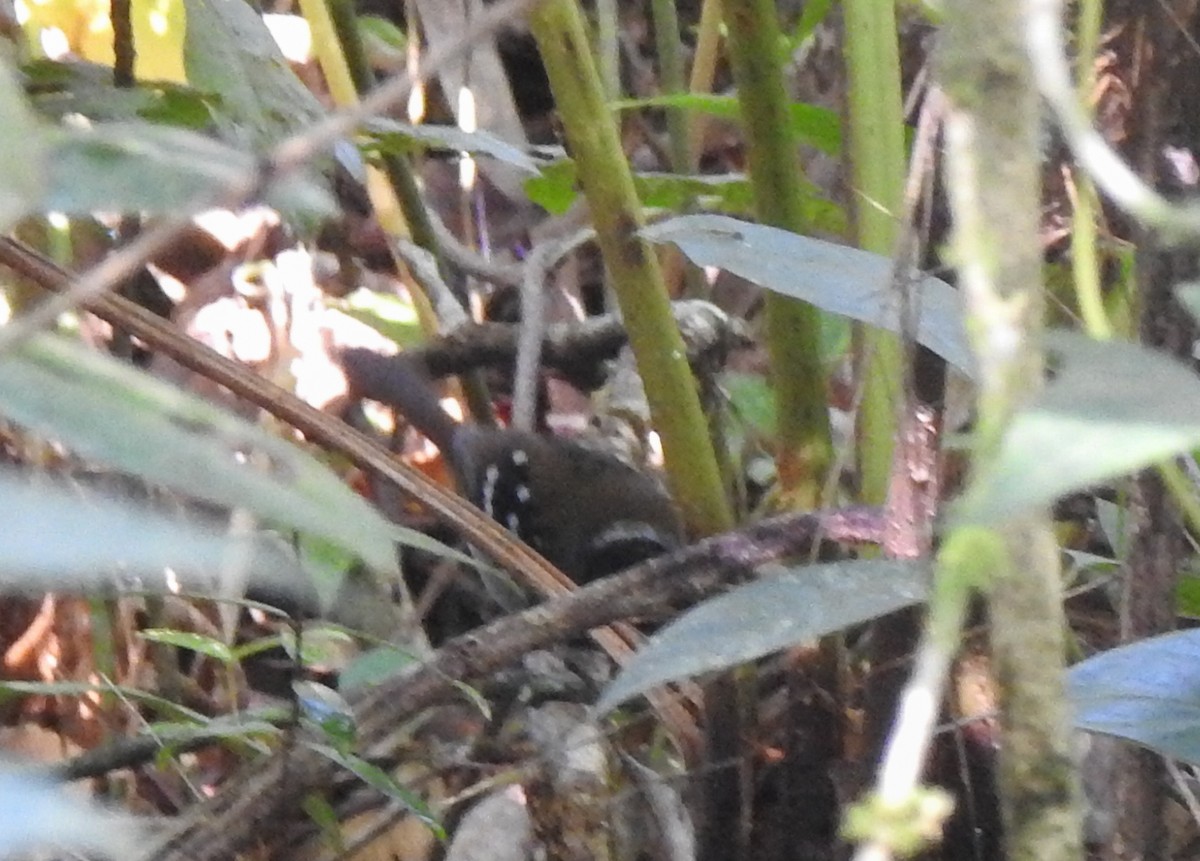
607 183
792 327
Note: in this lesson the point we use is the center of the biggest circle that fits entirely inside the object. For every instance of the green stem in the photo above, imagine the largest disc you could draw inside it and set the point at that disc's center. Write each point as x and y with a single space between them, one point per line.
670 64
608 48
793 328
877 168
1085 263
607 183
994 183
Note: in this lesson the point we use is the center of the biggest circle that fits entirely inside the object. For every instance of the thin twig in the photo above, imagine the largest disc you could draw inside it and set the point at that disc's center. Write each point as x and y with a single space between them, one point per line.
533 315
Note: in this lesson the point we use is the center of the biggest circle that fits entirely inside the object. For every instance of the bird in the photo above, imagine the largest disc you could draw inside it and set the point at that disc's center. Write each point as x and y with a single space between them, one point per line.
588 512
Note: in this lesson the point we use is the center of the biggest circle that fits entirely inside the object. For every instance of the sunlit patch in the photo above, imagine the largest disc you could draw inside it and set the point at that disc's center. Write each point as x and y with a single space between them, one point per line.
416 104
467 119
231 229
158 22
469 123
654 448
293 36
175 289
54 43
452 406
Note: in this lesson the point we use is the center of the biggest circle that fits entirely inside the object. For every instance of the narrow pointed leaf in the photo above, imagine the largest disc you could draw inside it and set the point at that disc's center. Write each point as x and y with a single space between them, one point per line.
114 414
395 136
230 52
157 169
1147 693
1111 408
23 142
54 540
835 278
774 613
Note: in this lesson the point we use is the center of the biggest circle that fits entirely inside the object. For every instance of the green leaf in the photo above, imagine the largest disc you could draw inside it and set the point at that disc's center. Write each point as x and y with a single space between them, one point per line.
818 127
374 666
229 51
798 606
87 89
143 166
323 645
1110 409
198 643
752 400
327 712
114 414
814 13
237 726
1187 596
179 106
395 136
391 316
23 142
381 781
834 278
115 544
247 730
1147 692
263 644
321 812
79 689
383 30
555 188
728 192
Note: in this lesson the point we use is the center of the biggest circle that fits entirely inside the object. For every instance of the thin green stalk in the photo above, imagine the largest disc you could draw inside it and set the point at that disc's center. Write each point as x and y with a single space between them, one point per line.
328 50
877 169
704 69
1089 21
792 327
671 79
632 264
1183 493
102 611
680 278
1085 263
608 48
